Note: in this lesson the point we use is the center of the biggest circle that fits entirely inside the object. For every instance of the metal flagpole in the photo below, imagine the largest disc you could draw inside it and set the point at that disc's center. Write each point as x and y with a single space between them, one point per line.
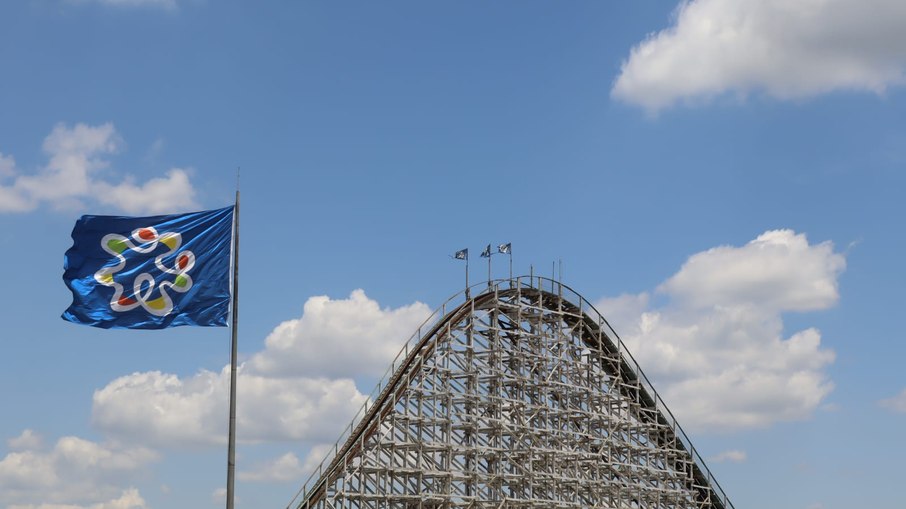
489 265
511 262
467 274
231 454
463 254
487 254
507 249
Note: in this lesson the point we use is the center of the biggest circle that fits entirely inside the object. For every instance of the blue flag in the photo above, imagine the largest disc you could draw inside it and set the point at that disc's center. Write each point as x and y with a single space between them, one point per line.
150 272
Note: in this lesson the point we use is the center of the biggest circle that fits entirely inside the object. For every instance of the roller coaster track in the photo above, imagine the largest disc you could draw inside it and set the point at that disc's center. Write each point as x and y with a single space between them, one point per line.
522 396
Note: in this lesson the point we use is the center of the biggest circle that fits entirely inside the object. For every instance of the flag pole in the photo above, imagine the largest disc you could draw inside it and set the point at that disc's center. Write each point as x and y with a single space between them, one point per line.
231 452
511 262
467 273
489 266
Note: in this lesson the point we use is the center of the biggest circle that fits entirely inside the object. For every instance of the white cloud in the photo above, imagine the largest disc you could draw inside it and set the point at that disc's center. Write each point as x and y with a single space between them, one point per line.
76 156
298 408
784 48
11 199
27 440
7 166
130 499
896 403
716 350
75 153
339 337
157 195
284 468
287 468
731 456
166 410
299 387
623 310
778 271
218 496
155 149
74 471
313 459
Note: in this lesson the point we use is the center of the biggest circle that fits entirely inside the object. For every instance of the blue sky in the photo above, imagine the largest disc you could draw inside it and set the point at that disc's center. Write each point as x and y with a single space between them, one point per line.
724 178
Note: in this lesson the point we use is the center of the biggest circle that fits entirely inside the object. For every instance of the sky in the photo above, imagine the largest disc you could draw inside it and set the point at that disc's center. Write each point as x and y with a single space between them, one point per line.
722 178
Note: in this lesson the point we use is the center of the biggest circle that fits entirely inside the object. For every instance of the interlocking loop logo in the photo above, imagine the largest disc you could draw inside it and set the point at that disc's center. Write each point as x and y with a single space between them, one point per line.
146 240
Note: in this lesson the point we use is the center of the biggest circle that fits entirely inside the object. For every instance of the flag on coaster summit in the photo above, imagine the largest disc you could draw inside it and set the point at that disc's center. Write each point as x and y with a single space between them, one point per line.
150 272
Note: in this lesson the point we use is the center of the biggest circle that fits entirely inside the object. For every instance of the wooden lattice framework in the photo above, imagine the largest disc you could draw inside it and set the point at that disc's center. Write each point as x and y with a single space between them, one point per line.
521 397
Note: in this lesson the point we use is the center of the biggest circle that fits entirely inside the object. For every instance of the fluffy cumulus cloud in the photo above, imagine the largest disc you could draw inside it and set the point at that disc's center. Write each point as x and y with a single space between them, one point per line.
73 471
286 468
159 194
717 351
166 410
130 499
896 403
784 48
300 387
351 336
72 175
779 271
28 439
12 199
